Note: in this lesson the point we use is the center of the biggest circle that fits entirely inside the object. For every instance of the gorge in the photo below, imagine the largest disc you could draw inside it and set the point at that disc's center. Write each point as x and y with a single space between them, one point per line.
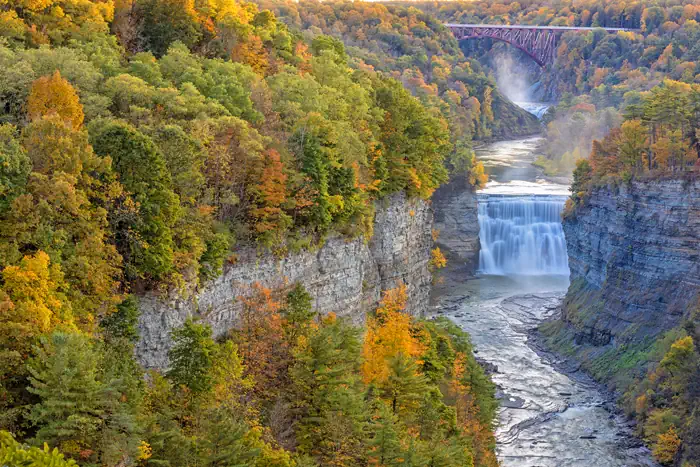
330 233
549 415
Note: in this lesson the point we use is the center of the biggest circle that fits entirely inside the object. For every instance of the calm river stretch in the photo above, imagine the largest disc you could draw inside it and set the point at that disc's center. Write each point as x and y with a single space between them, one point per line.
547 418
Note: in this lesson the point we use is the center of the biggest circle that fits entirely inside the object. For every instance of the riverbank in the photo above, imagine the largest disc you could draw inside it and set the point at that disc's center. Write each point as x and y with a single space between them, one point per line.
552 414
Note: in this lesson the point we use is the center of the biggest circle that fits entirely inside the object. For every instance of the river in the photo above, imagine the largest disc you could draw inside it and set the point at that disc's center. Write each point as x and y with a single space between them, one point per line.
547 416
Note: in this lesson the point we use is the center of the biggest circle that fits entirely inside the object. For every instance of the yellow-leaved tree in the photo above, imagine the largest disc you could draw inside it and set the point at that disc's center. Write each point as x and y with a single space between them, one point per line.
31 303
54 95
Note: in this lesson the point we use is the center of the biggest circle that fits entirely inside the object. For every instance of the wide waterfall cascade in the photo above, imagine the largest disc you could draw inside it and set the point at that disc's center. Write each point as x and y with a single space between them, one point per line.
537 109
522 235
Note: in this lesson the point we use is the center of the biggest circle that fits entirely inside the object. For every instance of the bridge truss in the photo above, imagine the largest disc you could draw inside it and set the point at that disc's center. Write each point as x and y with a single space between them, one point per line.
539 42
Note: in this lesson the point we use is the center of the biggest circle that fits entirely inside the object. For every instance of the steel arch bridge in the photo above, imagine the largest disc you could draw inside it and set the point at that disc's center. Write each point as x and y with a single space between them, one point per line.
539 42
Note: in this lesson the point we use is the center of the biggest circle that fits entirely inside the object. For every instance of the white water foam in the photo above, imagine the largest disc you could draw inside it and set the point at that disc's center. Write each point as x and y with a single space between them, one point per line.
537 109
522 235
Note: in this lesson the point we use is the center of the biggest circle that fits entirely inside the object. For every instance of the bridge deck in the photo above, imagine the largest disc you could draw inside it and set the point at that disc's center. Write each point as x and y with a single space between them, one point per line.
544 28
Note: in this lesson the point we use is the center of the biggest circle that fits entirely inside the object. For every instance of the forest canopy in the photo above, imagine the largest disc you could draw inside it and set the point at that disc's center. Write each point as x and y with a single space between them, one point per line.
142 143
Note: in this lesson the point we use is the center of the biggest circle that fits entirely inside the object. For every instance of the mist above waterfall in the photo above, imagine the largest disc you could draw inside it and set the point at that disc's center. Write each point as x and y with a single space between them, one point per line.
511 78
513 81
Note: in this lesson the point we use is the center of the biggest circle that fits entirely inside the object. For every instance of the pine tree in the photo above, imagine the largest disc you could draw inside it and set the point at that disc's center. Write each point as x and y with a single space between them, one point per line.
328 396
227 444
191 357
298 313
64 376
405 386
384 445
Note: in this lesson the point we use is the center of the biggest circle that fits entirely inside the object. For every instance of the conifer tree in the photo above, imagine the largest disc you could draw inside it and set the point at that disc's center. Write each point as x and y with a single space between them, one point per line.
192 357
328 396
405 386
384 444
64 376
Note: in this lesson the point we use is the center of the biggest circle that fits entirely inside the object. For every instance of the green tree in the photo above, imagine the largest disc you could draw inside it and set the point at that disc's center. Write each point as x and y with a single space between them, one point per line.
14 454
167 21
14 166
64 376
405 387
582 177
298 312
191 357
384 444
328 395
143 172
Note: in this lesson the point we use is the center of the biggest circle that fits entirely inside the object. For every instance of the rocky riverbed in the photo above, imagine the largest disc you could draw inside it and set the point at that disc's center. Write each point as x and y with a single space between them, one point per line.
551 414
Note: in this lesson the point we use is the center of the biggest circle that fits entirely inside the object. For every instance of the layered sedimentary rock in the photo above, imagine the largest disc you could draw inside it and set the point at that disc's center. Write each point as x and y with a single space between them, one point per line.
457 223
344 276
634 255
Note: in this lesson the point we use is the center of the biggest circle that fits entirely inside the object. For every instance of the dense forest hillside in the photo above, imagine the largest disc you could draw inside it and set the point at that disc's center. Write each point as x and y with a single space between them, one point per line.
631 224
595 75
416 49
142 143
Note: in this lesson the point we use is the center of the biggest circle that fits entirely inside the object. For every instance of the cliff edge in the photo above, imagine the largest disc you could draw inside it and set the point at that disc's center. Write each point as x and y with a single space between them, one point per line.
344 276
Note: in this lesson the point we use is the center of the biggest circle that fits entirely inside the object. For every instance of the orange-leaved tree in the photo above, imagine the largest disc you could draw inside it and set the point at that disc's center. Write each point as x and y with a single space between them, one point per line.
261 341
270 193
389 334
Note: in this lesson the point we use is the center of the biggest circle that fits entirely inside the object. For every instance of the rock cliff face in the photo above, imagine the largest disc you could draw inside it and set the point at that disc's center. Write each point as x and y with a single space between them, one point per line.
456 219
634 255
344 276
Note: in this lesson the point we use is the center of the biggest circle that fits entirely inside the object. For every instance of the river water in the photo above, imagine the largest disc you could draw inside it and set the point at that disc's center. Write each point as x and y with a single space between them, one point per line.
547 417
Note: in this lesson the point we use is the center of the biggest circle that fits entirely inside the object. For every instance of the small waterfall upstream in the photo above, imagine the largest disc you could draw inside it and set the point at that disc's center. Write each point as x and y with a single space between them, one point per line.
522 235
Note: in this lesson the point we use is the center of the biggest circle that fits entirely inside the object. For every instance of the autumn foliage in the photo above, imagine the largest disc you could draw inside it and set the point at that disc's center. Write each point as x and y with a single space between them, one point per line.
389 333
54 95
145 142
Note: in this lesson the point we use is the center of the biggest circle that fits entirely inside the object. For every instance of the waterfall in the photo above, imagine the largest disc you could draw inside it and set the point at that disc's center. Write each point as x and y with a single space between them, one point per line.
522 235
537 109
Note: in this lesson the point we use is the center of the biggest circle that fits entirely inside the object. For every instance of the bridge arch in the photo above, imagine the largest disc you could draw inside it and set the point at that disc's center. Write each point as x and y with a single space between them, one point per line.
538 42
538 58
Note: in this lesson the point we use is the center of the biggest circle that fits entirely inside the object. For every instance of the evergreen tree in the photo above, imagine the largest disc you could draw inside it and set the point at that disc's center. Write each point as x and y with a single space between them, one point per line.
227 444
192 357
405 387
328 395
64 376
384 445
298 312
315 165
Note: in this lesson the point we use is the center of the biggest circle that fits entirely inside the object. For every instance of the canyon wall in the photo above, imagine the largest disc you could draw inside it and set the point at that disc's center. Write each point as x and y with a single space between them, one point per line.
344 276
457 223
634 256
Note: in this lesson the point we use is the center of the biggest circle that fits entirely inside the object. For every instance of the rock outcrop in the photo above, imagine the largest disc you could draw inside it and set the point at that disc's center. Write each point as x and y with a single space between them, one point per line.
456 219
344 276
634 255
